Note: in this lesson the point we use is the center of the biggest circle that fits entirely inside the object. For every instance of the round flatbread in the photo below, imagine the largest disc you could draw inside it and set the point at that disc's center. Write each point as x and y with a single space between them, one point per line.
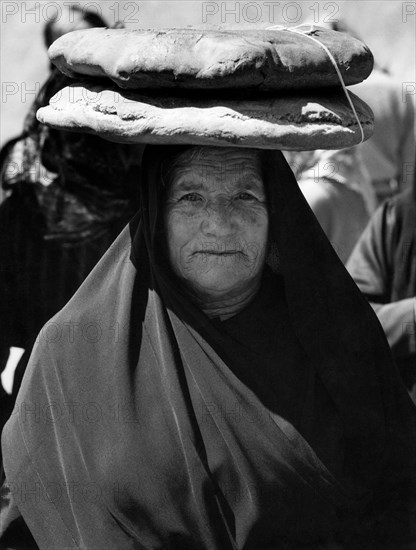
208 59
291 122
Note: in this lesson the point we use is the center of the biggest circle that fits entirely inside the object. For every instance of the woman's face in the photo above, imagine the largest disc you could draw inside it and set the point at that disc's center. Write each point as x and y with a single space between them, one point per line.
216 220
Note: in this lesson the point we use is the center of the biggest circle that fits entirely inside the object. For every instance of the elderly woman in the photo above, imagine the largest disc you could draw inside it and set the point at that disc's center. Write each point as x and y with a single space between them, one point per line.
222 384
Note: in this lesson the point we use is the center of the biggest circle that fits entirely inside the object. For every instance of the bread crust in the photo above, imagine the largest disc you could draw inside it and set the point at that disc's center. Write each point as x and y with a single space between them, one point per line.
291 122
212 59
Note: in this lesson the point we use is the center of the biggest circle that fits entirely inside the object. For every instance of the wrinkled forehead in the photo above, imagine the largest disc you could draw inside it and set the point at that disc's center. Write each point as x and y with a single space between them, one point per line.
215 165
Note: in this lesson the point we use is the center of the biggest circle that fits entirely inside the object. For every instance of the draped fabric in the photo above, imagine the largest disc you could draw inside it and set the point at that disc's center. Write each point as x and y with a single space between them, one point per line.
119 437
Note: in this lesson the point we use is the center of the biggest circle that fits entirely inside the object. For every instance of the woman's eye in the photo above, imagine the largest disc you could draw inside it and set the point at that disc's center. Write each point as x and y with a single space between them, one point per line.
190 197
246 197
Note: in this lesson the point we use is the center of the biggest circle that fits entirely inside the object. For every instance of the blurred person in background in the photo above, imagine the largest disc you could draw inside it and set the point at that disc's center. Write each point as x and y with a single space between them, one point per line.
389 154
70 18
68 196
338 190
383 264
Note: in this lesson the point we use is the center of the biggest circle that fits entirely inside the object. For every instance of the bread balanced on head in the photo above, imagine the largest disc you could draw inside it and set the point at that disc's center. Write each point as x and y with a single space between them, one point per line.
273 89
262 60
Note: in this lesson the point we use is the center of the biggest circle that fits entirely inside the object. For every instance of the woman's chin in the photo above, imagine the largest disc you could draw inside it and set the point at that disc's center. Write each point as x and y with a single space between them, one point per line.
220 283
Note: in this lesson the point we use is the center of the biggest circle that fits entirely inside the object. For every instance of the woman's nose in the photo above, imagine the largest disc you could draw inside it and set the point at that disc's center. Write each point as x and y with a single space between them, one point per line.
218 220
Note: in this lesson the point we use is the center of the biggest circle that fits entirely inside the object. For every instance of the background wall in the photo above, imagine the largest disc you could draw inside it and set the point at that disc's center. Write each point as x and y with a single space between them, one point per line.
387 26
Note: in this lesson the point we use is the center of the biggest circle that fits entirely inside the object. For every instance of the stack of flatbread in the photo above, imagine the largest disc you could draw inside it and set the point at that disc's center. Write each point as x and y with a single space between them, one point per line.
273 89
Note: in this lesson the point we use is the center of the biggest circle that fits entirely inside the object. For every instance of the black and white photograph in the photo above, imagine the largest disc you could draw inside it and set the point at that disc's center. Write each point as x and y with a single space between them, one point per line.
208 275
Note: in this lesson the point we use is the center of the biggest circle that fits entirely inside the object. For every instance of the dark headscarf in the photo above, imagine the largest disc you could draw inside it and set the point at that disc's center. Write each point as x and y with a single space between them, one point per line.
117 422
